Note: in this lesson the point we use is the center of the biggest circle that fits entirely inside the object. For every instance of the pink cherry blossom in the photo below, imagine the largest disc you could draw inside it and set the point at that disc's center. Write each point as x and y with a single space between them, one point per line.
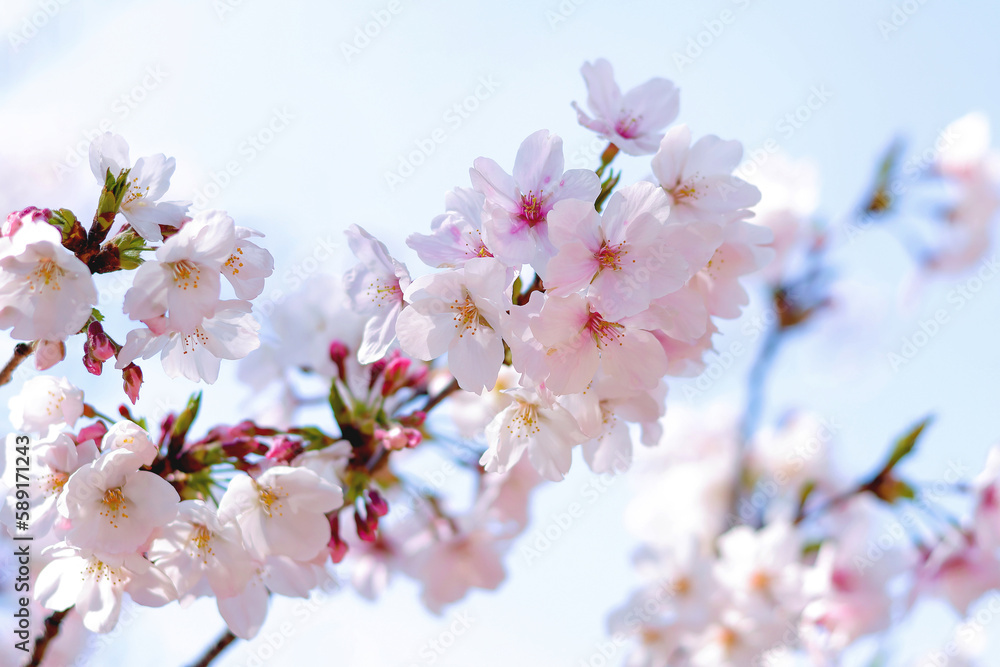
200 554
515 214
579 340
459 311
535 423
634 121
376 288
247 265
699 178
456 235
623 258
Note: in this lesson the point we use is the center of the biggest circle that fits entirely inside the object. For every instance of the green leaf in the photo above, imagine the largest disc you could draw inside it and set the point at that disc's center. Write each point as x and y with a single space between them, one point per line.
905 444
183 424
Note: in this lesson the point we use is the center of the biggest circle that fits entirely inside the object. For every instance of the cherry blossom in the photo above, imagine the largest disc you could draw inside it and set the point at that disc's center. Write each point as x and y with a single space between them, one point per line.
458 311
456 235
148 180
247 265
281 512
376 286
201 554
45 291
699 178
535 423
515 214
114 507
231 333
45 401
94 583
184 278
634 121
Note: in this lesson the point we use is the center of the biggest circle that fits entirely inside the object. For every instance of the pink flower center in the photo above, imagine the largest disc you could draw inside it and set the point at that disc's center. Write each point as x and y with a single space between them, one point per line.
531 209
627 127
610 256
604 332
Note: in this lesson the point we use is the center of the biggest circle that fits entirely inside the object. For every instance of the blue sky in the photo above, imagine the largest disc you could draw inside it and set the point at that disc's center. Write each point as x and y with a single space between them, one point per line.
272 118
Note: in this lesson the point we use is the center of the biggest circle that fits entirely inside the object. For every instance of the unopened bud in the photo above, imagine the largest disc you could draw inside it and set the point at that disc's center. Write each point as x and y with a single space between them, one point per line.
132 376
377 503
48 353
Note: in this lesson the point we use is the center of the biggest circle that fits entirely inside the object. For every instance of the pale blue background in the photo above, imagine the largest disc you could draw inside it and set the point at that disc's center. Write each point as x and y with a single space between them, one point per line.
226 68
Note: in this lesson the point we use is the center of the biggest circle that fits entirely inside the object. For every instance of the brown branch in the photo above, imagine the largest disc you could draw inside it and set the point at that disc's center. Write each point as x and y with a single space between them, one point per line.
42 641
21 352
441 395
218 647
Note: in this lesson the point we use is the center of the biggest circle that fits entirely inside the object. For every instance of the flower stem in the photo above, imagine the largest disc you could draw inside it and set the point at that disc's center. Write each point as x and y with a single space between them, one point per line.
216 649
42 641
21 352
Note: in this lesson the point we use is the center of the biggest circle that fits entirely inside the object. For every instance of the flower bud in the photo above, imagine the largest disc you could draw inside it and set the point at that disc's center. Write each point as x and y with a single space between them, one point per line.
365 530
132 376
377 503
337 547
48 353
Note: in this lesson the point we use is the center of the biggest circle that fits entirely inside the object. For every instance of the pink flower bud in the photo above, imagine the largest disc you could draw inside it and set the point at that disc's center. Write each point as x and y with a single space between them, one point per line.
398 437
283 450
364 527
377 503
98 344
338 354
132 376
396 372
18 218
337 547
95 431
48 353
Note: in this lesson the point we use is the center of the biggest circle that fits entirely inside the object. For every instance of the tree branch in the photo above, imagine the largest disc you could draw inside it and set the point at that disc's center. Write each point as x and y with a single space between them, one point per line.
52 624
217 648
21 352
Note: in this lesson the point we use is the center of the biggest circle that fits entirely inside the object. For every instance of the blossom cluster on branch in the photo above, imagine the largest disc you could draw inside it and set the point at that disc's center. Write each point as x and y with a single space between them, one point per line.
556 307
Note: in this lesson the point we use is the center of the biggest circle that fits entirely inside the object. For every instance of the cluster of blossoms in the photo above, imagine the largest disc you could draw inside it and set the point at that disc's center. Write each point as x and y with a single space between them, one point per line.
50 268
755 551
592 294
559 306
804 566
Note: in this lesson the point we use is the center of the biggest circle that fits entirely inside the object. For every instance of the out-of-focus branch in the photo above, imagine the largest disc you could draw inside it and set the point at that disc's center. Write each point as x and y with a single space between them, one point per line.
21 352
216 649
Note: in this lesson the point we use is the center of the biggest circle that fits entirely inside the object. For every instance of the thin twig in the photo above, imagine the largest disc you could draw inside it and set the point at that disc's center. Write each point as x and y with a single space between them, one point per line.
441 395
217 648
42 641
21 352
